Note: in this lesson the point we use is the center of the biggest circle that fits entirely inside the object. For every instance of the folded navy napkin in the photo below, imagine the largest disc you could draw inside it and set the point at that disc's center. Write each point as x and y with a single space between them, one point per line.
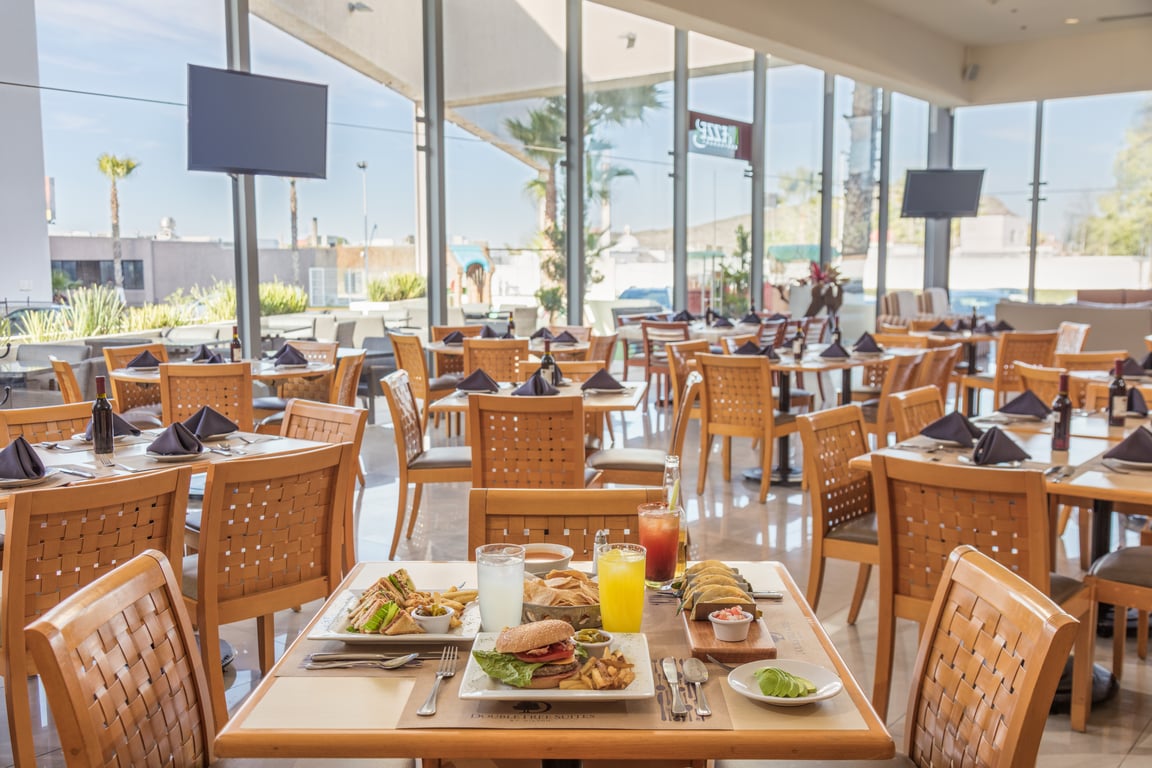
654 318
19 461
1132 368
143 360
565 338
454 338
866 344
942 327
986 327
953 427
1003 325
962 325
996 447
289 355
751 319
769 353
536 386
543 333
777 316
601 380
721 322
1147 362
205 355
835 351
683 316
1136 402
747 348
1136 447
177 440
478 381
119 427
487 333
207 422
1026 404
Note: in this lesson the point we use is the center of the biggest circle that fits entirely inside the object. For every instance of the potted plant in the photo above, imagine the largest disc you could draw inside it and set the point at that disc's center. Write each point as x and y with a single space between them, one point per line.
827 290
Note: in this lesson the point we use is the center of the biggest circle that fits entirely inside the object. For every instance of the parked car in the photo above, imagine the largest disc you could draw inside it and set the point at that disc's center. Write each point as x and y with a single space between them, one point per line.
15 316
661 296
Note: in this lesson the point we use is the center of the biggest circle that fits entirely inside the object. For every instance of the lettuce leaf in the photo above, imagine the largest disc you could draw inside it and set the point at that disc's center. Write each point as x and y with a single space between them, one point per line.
506 668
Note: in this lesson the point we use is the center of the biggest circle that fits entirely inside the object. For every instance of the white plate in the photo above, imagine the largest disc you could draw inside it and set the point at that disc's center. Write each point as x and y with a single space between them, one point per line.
1009 417
292 367
477 685
1142 466
743 681
333 625
217 437
867 354
143 369
27 482
595 391
175 458
88 441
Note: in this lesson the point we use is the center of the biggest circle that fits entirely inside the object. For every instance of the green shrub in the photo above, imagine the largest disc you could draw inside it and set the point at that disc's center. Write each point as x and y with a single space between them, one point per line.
43 326
92 311
218 303
152 316
397 287
277 298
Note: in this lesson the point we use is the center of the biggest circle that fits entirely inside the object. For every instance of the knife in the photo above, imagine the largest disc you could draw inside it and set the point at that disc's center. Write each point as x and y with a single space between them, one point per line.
679 711
322 656
76 472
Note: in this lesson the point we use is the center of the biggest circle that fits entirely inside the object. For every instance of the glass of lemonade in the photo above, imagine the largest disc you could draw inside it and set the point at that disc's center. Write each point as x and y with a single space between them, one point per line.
620 569
660 535
500 581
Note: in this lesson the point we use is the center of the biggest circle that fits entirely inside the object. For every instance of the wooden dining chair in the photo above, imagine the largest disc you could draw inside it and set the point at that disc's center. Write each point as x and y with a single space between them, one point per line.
576 371
914 409
417 464
570 517
936 368
680 354
645 466
271 533
632 348
51 423
136 400
1070 337
66 380
602 349
528 442
342 390
771 333
1086 361
737 401
122 673
498 357
444 364
899 376
656 336
1042 380
57 540
227 388
843 508
410 358
311 387
1011 348
925 510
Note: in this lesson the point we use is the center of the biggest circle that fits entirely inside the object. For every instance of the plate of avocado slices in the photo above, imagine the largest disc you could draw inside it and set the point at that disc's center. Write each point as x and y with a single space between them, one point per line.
784 682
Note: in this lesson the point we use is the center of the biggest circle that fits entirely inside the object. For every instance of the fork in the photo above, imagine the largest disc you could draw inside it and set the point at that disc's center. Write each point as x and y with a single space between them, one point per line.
446 669
717 661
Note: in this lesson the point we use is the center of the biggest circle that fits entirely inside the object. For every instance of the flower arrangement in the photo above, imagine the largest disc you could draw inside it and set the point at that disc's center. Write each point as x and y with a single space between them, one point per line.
827 289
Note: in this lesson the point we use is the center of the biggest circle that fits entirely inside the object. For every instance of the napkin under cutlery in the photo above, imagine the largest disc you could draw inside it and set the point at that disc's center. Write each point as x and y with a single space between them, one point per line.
1136 447
535 386
953 427
176 440
143 360
18 461
1026 404
478 381
119 427
602 380
207 422
996 447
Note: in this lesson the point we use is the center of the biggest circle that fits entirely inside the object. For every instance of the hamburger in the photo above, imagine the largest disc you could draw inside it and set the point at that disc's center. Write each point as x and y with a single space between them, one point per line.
535 655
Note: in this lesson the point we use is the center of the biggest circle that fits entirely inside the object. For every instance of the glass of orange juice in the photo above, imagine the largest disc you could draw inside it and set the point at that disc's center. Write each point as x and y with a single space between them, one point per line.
660 536
620 569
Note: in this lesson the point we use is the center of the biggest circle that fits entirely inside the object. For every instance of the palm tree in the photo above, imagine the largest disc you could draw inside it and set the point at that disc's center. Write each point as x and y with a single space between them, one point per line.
116 168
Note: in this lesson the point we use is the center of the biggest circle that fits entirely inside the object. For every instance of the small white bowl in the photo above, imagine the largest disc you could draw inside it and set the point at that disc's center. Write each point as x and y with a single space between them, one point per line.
731 631
434 625
541 558
595 650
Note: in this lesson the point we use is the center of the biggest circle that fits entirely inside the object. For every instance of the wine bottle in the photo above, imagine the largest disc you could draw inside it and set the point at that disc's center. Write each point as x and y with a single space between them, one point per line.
511 328
102 428
548 363
973 318
672 499
836 329
1117 397
798 344
1062 410
236 354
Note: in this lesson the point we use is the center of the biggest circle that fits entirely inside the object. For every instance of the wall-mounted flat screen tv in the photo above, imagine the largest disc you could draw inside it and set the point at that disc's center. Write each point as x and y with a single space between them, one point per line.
244 123
937 194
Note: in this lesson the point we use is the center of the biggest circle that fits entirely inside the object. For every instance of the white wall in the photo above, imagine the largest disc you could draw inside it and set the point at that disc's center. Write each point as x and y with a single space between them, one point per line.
24 270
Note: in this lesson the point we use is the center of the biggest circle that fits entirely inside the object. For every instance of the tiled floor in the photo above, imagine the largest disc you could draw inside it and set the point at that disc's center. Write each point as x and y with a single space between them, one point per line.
727 523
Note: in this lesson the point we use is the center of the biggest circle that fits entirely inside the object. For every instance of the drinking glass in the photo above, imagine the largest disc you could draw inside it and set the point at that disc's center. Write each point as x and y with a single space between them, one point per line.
500 580
660 536
620 569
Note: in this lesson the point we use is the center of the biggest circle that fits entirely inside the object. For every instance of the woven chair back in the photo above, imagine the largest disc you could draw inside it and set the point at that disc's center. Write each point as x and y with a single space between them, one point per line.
737 399
831 438
498 357
405 413
914 409
1034 348
66 380
49 422
133 394
526 442
442 362
227 388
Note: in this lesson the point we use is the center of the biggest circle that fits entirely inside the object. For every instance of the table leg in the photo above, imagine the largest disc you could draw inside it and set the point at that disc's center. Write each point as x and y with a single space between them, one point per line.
560 764
1101 541
846 387
972 393
785 474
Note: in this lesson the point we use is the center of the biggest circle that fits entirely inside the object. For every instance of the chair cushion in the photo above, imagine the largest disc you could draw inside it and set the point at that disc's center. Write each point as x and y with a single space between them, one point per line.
443 457
785 418
275 418
861 530
144 416
190 576
899 761
447 381
269 403
590 475
629 459
1131 565
1063 587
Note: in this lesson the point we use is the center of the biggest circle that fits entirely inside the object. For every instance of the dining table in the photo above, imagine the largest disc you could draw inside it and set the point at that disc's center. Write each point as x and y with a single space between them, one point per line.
971 341
263 370
572 350
631 332
296 712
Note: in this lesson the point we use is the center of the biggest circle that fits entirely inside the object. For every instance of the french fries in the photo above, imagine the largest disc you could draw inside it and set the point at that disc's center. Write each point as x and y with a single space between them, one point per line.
613 672
382 591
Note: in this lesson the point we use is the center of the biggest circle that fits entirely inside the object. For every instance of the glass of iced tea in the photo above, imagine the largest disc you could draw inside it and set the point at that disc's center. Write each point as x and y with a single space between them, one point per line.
660 536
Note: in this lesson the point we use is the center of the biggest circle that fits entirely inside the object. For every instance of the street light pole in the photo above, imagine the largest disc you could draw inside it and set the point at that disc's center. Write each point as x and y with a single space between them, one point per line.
363 166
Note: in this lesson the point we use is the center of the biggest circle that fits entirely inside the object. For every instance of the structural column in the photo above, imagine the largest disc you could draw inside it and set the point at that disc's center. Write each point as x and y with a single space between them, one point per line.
759 130
885 186
433 120
937 232
827 171
1034 232
245 248
574 163
680 173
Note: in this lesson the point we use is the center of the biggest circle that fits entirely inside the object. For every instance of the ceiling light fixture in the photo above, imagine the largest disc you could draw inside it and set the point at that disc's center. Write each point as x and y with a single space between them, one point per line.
1072 21
629 39
358 6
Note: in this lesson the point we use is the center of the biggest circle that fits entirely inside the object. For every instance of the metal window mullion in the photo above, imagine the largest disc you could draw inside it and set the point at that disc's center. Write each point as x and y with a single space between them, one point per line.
574 160
885 181
759 129
1034 232
680 173
436 237
826 170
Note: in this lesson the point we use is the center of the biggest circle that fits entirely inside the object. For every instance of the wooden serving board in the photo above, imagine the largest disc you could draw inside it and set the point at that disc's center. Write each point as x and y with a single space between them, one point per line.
758 645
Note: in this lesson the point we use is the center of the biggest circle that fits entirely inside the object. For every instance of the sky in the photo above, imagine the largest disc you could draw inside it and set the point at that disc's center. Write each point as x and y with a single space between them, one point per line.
100 58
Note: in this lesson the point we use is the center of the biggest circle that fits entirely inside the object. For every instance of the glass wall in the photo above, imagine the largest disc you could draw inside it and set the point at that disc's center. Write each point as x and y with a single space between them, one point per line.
909 150
1093 229
628 63
794 144
503 154
989 259
855 186
719 188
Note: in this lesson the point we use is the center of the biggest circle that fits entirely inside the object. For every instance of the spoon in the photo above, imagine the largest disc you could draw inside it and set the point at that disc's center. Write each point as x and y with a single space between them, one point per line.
696 673
364 661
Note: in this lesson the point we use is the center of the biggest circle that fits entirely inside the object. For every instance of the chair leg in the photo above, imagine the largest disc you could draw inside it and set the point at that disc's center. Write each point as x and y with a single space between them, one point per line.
401 509
213 668
1082 674
705 452
726 456
815 576
1083 520
416 494
19 712
1119 635
266 642
765 468
861 590
1142 634
885 638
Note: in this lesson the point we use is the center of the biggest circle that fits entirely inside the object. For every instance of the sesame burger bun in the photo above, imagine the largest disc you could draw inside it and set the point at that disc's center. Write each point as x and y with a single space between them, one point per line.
537 634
